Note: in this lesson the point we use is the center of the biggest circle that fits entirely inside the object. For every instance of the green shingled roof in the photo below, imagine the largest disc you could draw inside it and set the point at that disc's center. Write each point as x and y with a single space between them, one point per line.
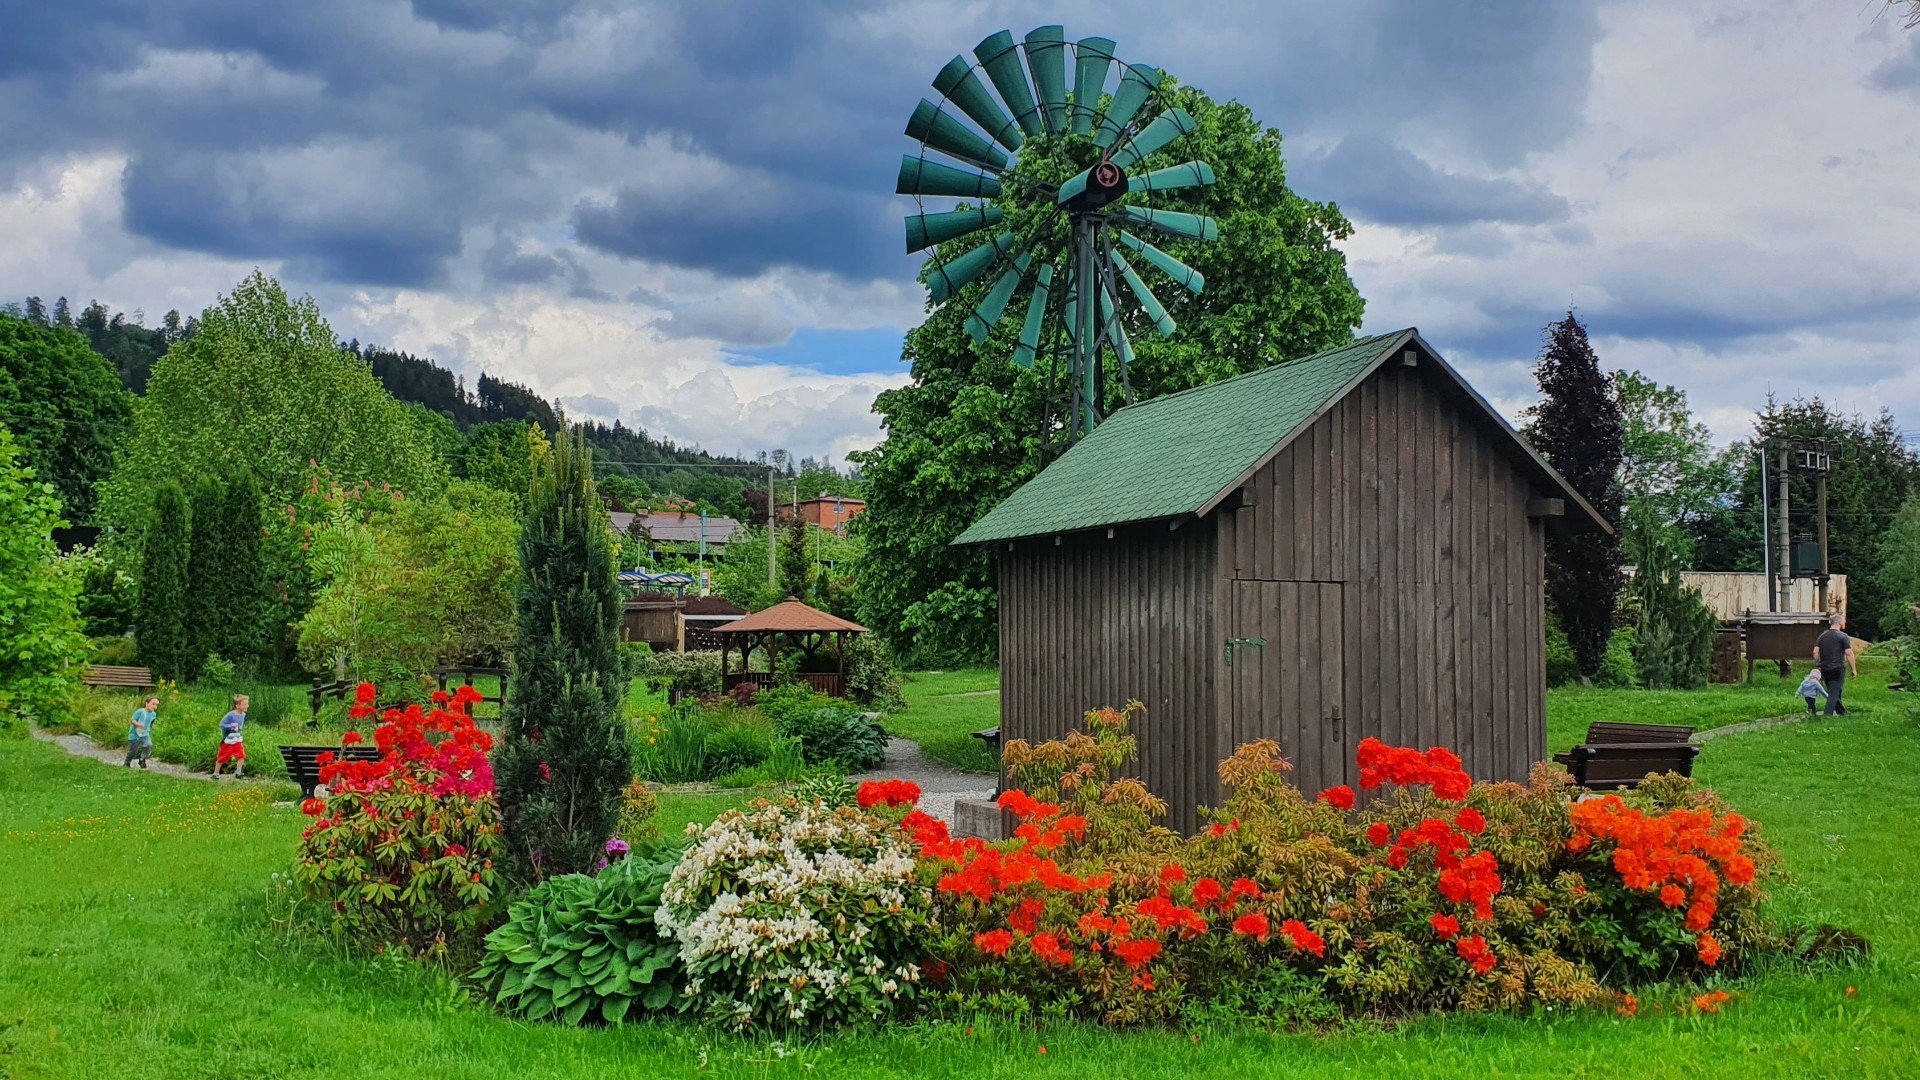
1171 455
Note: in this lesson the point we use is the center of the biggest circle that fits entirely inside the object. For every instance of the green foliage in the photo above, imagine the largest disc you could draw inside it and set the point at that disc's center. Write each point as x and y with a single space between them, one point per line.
160 623
696 673
870 677
969 429
106 598
1673 626
579 949
682 742
41 644
117 650
1667 458
264 386
784 764
1577 427
236 610
826 788
424 583
638 807
743 740
504 455
564 758
66 409
1898 577
795 560
216 670
741 573
206 569
845 738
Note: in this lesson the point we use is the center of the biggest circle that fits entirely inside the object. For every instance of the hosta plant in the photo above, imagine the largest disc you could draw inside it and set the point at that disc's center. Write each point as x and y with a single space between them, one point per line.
794 914
581 949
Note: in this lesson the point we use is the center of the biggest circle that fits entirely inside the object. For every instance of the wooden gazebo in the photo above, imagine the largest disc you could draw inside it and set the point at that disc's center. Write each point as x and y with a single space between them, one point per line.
795 624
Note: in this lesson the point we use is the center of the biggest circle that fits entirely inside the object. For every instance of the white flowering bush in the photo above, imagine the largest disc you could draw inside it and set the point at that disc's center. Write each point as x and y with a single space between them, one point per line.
794 913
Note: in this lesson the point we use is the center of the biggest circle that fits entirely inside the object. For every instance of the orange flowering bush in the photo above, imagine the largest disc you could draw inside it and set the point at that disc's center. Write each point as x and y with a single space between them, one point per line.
1438 893
401 852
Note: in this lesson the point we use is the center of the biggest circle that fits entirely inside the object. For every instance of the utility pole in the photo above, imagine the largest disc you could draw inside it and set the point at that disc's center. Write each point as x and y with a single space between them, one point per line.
1820 501
774 459
1766 536
1786 537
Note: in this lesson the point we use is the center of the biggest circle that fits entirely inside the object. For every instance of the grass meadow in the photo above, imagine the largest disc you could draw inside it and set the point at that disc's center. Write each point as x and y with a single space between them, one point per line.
142 933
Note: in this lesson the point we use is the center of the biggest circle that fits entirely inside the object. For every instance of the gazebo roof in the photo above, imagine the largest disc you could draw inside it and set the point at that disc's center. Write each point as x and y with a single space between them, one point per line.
792 617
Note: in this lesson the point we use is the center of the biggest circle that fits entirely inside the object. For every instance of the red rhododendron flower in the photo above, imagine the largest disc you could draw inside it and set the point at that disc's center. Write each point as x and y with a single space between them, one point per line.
1047 947
1446 926
996 942
546 772
1246 887
313 807
1253 926
1379 833
1341 797
1709 950
1217 829
1302 938
1672 895
1206 891
1469 820
1473 949
1137 954
1173 873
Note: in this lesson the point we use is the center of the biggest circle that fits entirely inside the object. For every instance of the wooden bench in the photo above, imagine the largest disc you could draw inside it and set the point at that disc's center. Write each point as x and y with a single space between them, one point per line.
1621 755
303 762
108 675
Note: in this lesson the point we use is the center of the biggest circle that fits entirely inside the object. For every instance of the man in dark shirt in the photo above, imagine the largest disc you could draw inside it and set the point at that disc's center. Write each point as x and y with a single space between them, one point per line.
1834 654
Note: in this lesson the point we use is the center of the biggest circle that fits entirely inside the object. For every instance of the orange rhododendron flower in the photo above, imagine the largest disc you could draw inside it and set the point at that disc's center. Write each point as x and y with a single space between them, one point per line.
1341 797
996 942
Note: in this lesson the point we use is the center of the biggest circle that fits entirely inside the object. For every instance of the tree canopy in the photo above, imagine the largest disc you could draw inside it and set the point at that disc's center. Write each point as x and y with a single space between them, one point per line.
65 406
40 640
968 430
264 387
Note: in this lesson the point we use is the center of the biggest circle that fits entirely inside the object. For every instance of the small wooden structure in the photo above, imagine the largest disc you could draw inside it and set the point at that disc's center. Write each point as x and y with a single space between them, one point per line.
795 624
664 621
1346 545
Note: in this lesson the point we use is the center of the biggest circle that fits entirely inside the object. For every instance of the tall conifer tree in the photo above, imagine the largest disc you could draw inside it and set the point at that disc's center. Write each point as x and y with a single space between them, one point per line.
1577 427
206 574
564 757
160 625
239 631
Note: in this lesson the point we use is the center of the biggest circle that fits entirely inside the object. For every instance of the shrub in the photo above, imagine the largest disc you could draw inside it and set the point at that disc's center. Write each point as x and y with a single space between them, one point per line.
41 645
114 649
638 805
828 789
577 948
845 737
736 743
791 914
401 851
694 673
683 746
1439 894
275 705
870 677
784 765
788 700
217 671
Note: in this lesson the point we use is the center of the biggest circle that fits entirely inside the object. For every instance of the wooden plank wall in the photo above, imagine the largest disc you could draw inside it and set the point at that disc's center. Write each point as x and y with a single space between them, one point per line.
1404 495
1095 621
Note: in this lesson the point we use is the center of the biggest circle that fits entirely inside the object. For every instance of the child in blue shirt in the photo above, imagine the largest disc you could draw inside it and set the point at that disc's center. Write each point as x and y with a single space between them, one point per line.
233 745
1810 687
140 733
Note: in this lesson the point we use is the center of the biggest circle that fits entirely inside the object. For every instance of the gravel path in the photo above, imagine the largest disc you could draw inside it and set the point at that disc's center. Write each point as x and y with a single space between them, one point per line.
940 784
82 746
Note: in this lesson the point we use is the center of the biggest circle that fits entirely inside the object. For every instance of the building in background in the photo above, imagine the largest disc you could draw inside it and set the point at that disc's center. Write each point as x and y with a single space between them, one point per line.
830 512
676 532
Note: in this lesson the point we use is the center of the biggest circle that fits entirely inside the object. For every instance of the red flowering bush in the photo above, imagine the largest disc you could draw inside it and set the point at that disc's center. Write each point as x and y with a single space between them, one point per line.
1440 893
401 851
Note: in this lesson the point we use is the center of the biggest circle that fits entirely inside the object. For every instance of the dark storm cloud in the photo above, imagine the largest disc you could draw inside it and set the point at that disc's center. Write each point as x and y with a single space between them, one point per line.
1386 183
487 110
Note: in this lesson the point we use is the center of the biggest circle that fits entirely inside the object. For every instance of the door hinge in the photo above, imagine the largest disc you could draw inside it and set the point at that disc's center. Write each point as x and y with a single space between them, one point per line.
1232 642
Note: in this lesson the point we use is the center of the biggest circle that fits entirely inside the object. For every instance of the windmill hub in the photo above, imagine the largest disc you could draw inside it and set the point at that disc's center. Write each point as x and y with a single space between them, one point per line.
1055 107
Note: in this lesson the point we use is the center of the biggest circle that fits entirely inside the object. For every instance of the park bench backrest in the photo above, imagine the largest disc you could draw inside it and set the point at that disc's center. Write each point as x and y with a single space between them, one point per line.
113 675
303 762
1605 733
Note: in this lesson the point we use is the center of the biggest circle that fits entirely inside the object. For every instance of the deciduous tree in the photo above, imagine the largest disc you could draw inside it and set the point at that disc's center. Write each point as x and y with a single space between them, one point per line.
40 640
65 406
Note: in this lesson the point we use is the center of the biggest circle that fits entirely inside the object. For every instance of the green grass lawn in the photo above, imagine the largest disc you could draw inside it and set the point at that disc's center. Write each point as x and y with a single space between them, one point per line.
944 709
143 943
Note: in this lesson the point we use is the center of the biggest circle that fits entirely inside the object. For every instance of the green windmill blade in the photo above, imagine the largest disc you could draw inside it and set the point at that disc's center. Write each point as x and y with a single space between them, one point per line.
918 176
1165 128
1116 334
1136 86
1156 311
1001 57
958 84
1187 174
1023 353
951 137
1047 59
1091 59
926 230
1187 277
988 313
950 277
1191 226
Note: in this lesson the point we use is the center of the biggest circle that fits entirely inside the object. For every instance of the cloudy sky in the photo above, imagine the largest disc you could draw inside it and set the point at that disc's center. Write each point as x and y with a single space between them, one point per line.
679 214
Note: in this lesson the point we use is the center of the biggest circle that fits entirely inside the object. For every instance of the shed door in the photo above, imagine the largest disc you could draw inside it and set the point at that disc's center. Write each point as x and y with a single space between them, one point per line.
1287 674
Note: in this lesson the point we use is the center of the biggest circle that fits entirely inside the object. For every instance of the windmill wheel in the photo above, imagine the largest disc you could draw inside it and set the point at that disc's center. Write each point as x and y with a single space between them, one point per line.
1062 192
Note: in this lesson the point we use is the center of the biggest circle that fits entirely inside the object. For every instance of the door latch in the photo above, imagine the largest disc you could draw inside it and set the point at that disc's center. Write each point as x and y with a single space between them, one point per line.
1233 642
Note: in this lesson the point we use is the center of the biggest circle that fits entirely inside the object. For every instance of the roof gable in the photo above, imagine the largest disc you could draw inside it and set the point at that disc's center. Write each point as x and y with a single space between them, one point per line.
1181 454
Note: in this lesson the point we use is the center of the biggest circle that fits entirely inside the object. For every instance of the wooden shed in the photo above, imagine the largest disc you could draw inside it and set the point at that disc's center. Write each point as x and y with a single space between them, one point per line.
1349 544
